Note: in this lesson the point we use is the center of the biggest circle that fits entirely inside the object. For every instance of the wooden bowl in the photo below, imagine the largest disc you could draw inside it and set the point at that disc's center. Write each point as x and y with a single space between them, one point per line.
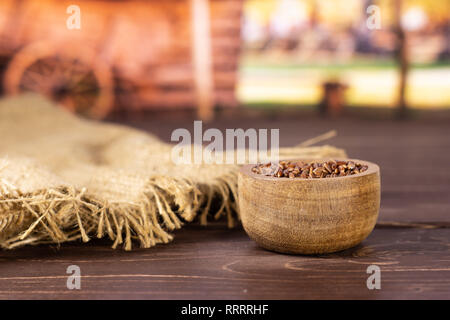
309 216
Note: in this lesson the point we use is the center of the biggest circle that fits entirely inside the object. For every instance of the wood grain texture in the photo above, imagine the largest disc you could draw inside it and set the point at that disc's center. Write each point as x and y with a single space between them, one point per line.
217 263
309 216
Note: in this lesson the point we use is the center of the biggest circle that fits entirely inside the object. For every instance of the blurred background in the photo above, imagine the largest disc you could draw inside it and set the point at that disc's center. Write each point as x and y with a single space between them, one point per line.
293 48
302 66
131 56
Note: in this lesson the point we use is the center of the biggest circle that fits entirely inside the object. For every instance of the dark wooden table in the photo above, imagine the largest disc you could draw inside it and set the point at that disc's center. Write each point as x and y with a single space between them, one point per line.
411 243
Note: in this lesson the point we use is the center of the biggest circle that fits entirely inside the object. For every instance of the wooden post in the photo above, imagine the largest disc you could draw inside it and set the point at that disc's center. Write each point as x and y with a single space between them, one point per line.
202 58
333 100
402 60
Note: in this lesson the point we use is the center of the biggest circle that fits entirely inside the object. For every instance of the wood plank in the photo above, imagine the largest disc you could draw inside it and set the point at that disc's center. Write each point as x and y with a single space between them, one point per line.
202 58
217 263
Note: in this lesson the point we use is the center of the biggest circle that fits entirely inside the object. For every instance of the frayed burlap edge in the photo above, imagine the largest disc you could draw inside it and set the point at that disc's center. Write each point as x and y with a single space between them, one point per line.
65 214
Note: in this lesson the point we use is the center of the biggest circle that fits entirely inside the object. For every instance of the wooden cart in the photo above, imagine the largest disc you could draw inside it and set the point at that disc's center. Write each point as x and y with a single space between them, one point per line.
127 54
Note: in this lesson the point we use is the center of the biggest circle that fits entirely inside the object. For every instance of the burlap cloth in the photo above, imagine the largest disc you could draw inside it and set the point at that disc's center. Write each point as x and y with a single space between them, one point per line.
64 178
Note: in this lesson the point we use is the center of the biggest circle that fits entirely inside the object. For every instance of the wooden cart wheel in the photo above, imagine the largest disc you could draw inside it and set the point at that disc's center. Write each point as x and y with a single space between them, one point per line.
71 76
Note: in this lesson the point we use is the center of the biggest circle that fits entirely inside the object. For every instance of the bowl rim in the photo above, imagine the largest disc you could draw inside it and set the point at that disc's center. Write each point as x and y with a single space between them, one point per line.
372 169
